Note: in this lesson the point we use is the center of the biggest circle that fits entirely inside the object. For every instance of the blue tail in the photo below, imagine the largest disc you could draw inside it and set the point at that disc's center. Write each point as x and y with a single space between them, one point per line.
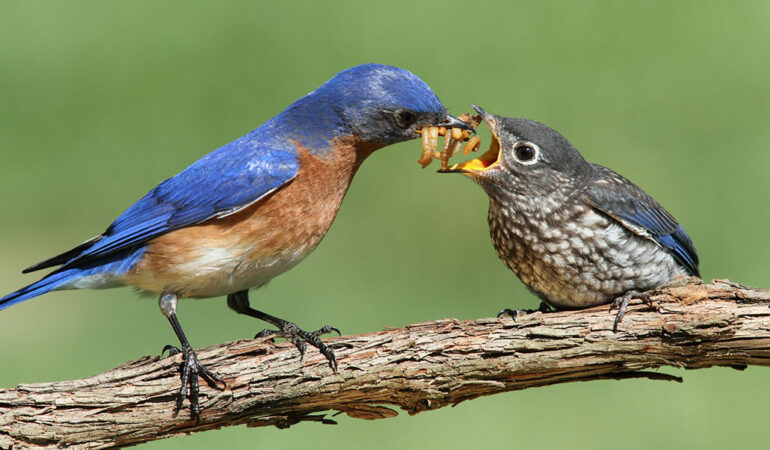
47 284
114 264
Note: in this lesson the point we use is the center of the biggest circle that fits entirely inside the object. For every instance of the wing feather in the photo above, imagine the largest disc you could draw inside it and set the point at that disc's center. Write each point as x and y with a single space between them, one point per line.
221 183
633 208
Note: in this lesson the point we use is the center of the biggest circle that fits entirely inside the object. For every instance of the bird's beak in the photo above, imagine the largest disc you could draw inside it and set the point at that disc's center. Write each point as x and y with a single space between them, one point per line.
454 122
489 159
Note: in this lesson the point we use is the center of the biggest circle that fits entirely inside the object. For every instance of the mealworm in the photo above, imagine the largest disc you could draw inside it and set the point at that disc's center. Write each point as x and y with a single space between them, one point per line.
453 141
472 145
427 152
446 150
433 138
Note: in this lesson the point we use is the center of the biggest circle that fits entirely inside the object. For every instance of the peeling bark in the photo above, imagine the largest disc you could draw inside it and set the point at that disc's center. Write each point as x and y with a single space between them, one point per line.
421 367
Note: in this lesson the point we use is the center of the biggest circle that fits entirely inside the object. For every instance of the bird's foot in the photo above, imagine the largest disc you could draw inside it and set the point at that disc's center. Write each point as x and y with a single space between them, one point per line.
190 370
514 313
300 338
621 303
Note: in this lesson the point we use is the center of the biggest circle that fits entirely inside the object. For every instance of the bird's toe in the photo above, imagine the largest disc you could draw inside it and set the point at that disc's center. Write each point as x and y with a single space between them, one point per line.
300 338
190 371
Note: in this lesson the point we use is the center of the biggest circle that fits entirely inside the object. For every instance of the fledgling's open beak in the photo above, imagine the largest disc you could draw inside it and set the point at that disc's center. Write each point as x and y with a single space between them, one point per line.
453 122
489 159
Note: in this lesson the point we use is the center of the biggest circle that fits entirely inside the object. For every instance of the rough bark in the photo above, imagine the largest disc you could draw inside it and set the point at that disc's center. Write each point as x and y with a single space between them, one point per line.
421 367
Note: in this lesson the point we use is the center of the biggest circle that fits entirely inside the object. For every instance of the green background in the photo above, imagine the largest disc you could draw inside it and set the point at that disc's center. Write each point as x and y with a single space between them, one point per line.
99 101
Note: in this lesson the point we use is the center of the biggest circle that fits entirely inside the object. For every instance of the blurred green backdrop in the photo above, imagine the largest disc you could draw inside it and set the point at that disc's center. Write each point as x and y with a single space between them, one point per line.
99 101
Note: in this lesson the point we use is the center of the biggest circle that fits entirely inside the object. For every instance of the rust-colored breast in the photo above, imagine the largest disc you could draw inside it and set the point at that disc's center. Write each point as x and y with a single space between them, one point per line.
246 249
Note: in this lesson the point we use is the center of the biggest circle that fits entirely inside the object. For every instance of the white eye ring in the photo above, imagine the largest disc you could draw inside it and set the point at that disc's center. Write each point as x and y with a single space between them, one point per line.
526 153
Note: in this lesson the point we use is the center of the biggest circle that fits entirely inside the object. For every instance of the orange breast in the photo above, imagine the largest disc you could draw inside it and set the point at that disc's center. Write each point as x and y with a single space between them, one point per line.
246 249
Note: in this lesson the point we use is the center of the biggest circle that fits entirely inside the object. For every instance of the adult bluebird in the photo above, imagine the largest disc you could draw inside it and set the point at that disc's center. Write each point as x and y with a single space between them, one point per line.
577 234
251 209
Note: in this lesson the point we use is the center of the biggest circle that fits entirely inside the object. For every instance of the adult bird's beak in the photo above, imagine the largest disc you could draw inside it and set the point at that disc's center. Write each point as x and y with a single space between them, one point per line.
454 122
486 161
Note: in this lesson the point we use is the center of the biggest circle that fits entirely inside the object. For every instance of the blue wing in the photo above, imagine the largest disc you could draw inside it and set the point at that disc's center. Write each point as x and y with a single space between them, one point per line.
221 183
633 208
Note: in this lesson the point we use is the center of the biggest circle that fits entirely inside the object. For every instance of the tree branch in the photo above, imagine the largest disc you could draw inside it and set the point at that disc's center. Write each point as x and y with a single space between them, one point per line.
421 367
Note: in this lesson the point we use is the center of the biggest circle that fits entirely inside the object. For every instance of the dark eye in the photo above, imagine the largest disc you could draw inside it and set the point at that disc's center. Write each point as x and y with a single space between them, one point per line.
525 153
406 118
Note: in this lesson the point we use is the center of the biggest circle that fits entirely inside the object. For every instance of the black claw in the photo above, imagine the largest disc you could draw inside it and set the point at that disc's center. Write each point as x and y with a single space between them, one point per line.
301 346
172 350
515 313
300 338
512 313
211 378
194 404
315 341
265 333
239 302
330 357
190 370
185 370
622 303
327 329
619 316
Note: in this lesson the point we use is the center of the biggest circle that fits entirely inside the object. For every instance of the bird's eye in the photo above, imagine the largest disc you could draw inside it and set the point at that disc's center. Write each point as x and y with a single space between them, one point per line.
406 118
526 152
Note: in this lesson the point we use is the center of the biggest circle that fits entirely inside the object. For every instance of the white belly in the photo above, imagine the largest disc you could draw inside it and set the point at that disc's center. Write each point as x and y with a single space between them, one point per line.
220 271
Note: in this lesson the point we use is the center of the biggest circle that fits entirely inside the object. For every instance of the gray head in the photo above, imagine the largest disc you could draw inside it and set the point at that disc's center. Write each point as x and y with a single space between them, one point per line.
526 158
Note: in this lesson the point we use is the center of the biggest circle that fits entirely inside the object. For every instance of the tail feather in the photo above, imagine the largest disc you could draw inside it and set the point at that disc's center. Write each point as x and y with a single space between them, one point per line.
64 257
47 284
99 274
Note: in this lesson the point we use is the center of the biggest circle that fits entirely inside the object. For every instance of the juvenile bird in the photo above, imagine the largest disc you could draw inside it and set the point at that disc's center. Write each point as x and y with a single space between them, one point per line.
576 233
251 209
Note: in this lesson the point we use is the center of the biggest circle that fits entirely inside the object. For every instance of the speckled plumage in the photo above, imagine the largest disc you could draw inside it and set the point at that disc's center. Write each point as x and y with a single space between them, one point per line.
577 234
570 255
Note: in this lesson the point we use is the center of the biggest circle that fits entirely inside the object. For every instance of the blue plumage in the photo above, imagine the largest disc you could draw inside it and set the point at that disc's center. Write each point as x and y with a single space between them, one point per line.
256 164
87 274
357 101
244 174
624 201
680 244
305 157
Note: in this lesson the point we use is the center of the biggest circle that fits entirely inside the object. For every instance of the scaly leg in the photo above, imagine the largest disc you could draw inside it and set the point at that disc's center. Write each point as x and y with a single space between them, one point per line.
239 302
191 368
